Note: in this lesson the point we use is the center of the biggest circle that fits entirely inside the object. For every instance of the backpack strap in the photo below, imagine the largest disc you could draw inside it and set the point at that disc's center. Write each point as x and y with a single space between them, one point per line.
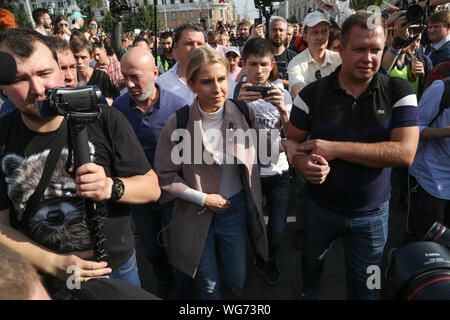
50 164
182 117
237 89
243 107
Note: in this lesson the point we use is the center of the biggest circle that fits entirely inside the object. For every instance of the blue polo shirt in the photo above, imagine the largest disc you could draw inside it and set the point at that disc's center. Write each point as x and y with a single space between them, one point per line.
327 112
148 125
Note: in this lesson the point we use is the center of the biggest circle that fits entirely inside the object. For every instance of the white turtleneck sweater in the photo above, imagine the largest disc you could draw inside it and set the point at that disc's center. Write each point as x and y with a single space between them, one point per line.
230 180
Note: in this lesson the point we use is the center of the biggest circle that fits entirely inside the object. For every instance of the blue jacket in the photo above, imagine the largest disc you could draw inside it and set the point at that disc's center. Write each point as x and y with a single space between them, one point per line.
440 55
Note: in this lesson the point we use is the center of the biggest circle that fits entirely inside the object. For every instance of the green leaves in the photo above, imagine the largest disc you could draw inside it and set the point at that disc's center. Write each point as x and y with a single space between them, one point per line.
142 18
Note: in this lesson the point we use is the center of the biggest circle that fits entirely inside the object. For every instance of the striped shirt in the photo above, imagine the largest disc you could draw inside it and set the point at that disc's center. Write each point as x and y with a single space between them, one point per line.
113 70
386 104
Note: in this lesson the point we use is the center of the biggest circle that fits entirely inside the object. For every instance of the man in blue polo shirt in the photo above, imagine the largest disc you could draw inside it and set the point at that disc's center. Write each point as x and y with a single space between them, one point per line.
147 107
365 124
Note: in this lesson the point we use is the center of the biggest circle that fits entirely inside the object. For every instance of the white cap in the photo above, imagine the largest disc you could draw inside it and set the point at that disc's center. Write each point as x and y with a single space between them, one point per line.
313 18
233 49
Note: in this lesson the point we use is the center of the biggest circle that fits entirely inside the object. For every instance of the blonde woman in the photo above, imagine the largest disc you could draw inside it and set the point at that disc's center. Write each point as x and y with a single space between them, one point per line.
216 199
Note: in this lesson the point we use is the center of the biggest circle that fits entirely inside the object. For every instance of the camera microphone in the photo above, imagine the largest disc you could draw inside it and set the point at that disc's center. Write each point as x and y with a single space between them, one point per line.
8 69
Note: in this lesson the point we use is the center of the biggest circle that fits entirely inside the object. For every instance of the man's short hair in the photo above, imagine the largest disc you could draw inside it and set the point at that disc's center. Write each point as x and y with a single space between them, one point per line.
187 26
276 19
59 44
98 45
359 18
18 277
138 39
440 16
244 23
78 44
166 35
259 47
38 14
22 42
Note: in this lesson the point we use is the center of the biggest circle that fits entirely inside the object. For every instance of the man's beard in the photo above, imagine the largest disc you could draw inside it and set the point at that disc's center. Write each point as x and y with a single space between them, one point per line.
143 96
276 43
168 51
244 37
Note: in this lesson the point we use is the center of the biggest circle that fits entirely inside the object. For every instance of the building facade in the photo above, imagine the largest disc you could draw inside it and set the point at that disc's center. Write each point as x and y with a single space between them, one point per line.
176 12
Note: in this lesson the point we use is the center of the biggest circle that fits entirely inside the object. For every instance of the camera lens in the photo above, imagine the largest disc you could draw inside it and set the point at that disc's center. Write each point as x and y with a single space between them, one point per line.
419 271
438 233
414 14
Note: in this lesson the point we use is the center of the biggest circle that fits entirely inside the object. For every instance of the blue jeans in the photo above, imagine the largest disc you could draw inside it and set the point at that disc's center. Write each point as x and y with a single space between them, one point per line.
364 236
148 219
228 232
277 190
128 271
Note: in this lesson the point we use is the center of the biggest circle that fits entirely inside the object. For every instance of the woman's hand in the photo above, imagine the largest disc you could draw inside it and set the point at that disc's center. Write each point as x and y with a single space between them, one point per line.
419 70
216 203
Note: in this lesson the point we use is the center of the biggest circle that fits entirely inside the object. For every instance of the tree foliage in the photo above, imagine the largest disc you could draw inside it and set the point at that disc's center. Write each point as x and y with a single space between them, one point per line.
142 18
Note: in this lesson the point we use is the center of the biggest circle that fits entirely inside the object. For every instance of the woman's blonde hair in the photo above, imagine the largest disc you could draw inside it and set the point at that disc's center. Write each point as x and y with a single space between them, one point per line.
200 57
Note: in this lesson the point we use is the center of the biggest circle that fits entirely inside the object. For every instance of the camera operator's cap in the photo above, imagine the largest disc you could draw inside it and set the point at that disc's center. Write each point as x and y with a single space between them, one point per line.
233 49
315 17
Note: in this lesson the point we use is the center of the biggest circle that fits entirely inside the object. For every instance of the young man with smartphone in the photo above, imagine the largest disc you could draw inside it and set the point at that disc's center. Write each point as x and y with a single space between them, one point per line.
271 108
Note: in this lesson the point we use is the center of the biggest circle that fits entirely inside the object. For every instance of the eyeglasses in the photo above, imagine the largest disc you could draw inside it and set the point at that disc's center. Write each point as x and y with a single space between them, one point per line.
93 25
318 75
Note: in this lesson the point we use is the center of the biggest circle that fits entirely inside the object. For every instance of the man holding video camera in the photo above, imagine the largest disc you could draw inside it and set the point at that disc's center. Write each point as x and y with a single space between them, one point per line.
55 236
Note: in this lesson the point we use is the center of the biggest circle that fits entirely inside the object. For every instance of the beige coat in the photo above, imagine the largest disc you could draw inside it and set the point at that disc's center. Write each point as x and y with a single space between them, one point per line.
190 223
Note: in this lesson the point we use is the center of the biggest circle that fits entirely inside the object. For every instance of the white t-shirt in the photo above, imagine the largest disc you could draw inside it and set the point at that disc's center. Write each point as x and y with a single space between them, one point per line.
268 118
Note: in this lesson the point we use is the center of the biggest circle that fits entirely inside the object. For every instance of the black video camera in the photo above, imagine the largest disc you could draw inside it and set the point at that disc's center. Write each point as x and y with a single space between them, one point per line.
79 104
414 12
119 7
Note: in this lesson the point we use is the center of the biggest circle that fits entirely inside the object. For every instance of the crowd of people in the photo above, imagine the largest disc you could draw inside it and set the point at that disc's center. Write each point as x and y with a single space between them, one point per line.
339 105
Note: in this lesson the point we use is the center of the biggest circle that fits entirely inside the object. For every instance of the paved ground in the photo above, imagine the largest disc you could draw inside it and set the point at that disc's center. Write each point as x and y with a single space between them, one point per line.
333 279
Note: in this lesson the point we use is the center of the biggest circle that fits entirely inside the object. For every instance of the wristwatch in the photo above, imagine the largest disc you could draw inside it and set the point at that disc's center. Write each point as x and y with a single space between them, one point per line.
117 190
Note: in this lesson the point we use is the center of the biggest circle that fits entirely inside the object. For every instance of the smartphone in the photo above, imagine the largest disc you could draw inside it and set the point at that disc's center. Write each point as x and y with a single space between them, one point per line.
258 21
263 90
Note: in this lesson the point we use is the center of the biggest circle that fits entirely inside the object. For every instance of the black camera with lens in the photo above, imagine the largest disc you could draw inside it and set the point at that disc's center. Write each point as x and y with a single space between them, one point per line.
119 7
79 104
414 12
421 270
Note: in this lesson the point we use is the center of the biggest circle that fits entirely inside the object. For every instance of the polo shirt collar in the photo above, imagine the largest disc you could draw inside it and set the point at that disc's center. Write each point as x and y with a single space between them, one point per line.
335 86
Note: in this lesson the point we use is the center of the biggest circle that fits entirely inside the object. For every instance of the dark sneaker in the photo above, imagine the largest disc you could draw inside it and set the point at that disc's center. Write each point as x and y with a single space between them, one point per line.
260 264
273 272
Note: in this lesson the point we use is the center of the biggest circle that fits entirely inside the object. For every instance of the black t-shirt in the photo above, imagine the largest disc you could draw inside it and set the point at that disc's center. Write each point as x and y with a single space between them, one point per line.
282 62
58 222
102 80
